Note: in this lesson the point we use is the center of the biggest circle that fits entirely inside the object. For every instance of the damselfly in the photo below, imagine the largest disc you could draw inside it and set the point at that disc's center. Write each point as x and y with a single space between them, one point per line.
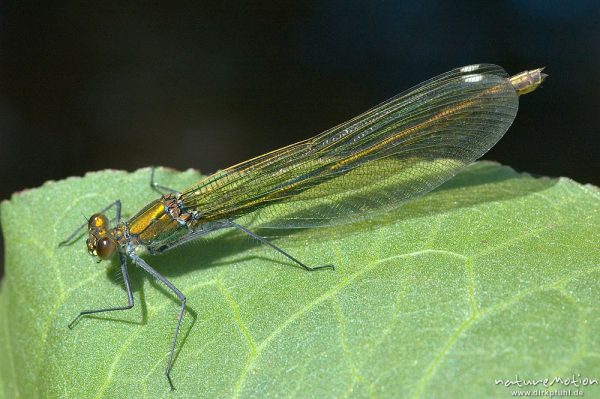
396 151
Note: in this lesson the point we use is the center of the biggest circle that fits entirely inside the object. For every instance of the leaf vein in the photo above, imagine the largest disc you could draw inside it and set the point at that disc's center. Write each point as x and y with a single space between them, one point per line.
235 309
325 296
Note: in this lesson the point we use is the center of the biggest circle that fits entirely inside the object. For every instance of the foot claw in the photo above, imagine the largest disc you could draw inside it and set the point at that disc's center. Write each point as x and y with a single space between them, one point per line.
332 267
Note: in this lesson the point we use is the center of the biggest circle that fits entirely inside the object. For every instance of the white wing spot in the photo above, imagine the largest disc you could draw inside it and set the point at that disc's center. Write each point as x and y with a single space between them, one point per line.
473 78
470 68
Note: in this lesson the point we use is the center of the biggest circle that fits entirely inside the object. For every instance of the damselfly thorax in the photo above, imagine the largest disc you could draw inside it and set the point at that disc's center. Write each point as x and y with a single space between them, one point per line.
159 226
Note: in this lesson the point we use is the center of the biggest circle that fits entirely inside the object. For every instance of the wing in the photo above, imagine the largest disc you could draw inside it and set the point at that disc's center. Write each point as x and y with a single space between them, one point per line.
396 151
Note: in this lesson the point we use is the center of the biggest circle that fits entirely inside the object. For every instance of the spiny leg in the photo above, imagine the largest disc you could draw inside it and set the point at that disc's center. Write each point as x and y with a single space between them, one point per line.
281 251
127 288
140 262
158 187
116 204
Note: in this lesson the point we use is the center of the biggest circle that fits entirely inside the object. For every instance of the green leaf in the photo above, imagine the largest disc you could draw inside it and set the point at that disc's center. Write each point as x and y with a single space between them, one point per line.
493 275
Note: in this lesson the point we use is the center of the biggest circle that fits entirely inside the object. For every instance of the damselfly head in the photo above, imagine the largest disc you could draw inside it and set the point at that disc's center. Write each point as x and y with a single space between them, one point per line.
100 243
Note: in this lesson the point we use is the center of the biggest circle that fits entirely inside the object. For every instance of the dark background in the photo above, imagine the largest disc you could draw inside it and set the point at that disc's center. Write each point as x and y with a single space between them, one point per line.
205 86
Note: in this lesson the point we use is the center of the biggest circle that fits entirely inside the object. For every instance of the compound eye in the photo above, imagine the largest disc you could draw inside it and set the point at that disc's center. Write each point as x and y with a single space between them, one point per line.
105 247
98 221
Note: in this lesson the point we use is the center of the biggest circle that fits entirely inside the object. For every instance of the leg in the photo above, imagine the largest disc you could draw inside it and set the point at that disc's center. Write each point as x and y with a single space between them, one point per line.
129 295
281 251
158 187
116 204
140 262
